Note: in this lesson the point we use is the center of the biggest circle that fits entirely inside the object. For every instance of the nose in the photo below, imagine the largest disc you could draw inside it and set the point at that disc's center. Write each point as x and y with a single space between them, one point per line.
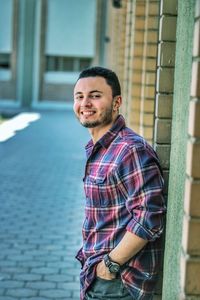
86 101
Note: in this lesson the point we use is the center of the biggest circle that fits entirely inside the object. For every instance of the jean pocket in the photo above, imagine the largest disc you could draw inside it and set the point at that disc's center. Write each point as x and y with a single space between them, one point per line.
111 288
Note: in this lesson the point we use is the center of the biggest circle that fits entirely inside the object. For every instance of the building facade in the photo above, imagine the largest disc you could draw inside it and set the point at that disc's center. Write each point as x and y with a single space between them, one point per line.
154 46
43 46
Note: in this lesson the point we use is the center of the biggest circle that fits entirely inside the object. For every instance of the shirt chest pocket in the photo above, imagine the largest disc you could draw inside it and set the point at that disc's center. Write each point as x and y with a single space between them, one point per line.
101 190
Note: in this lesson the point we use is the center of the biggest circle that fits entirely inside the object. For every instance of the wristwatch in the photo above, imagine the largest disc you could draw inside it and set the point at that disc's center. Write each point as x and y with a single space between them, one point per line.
111 265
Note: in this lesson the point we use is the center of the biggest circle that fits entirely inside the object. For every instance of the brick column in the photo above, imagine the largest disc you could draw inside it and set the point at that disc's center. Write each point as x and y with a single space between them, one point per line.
120 47
149 69
136 64
165 61
140 65
130 8
190 259
115 38
165 83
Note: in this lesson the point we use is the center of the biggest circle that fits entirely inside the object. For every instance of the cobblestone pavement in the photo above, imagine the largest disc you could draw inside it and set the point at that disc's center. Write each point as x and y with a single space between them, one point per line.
41 209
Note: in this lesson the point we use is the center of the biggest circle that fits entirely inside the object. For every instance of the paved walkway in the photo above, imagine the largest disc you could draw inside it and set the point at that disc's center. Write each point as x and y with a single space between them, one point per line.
41 209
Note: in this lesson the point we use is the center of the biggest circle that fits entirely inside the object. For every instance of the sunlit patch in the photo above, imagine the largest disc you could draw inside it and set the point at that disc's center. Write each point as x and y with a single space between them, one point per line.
8 128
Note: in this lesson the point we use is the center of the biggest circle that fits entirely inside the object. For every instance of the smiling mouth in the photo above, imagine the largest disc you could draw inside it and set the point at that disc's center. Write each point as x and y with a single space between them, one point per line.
87 113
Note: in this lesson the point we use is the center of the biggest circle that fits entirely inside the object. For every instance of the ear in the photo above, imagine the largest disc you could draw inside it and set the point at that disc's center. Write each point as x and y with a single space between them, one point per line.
117 103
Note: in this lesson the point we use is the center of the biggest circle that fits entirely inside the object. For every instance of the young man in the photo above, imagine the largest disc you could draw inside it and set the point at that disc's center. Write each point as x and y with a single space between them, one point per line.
124 207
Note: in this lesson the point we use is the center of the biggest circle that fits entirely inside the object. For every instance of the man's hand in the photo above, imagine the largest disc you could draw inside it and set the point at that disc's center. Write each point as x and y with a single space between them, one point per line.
103 272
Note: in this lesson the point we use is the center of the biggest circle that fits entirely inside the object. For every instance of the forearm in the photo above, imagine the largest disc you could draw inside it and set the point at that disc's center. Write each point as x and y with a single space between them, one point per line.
127 248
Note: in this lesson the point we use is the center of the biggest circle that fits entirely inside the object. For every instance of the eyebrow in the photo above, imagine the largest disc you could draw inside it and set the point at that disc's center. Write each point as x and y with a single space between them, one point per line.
93 91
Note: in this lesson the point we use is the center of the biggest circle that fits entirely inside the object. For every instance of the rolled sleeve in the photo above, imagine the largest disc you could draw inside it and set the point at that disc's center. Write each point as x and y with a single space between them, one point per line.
141 178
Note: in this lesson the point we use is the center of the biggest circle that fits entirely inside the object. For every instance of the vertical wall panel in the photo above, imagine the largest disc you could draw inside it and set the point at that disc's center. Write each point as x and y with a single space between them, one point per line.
6 25
190 257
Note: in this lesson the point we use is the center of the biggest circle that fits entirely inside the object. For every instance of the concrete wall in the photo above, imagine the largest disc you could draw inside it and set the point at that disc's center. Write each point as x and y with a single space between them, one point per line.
182 76
190 256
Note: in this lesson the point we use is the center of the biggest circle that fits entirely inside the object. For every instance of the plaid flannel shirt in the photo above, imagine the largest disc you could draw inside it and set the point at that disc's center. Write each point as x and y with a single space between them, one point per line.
123 187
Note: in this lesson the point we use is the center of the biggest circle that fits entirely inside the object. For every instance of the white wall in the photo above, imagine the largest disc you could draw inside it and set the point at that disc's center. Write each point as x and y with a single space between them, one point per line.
71 28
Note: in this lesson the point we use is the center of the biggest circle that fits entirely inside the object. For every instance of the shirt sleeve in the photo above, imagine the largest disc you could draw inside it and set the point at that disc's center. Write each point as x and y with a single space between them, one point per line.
142 184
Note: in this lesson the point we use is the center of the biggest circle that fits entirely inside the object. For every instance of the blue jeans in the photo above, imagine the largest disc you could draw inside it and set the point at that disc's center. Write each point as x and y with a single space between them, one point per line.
102 289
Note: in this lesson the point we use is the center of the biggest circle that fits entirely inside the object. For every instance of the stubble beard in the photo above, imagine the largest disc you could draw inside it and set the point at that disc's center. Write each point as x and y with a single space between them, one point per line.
105 119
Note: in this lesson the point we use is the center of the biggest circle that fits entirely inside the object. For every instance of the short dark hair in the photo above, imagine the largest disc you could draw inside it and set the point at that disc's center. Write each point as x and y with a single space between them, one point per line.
110 77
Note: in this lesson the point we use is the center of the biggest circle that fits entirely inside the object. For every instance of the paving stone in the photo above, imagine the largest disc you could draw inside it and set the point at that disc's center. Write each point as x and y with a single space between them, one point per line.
52 247
25 246
60 264
57 278
55 293
6 263
69 286
46 270
47 258
21 257
42 210
37 252
14 270
10 284
70 271
61 253
27 277
4 276
41 285
21 292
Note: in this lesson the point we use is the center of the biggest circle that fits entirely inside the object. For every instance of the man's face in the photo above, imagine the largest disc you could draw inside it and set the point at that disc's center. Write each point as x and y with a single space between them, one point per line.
93 102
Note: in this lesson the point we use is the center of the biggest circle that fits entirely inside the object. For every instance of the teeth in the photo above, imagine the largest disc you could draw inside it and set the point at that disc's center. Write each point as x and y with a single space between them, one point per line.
87 113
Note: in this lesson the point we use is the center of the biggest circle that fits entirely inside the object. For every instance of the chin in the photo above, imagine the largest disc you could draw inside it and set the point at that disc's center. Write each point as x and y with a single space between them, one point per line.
89 125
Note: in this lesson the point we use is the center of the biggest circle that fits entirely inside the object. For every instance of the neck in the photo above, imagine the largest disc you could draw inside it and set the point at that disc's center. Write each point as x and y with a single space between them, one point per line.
97 132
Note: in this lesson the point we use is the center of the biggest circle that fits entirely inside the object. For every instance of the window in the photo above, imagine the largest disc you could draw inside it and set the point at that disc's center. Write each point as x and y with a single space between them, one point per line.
66 64
4 61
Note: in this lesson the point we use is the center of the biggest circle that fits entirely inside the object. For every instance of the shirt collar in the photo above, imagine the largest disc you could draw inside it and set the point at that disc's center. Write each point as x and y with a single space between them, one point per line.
109 136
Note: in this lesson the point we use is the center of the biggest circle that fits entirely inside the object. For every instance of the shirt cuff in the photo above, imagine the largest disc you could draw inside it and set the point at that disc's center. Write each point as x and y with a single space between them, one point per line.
144 233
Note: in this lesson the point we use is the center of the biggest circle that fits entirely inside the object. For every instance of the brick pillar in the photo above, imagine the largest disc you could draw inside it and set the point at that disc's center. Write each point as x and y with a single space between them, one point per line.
149 69
115 38
127 84
190 259
140 65
136 64
120 47
165 82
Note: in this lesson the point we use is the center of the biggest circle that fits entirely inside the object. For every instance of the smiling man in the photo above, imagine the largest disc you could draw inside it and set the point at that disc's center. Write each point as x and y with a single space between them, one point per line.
123 186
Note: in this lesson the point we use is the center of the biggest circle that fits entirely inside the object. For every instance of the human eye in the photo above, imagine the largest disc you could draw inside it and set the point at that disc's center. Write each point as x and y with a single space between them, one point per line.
95 96
78 97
